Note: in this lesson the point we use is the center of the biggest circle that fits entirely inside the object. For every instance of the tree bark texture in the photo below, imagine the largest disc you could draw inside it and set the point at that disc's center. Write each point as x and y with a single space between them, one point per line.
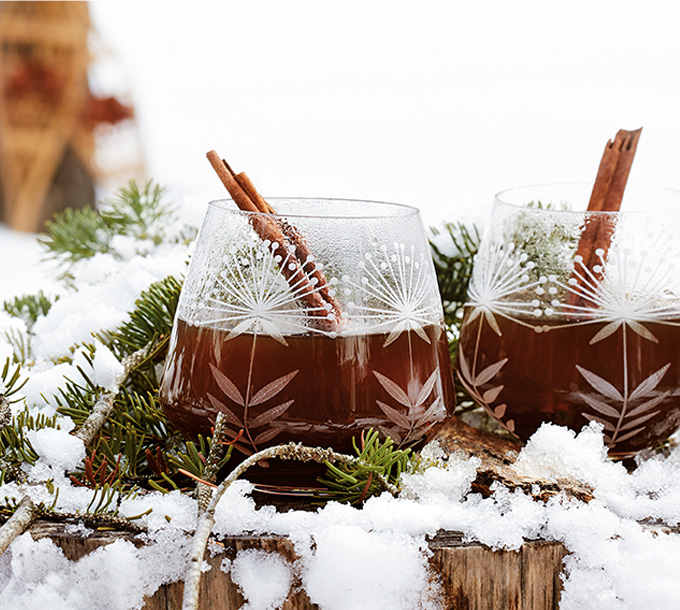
473 576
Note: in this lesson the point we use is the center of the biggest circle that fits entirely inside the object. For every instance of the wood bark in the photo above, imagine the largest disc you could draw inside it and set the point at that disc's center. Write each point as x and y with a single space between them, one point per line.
497 455
473 577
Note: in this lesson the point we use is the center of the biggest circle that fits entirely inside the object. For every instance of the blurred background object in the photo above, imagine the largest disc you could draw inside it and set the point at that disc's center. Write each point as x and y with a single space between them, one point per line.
66 123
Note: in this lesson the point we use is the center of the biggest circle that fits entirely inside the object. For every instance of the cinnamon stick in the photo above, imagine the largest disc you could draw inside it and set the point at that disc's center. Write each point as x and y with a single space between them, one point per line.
318 301
302 251
607 194
612 174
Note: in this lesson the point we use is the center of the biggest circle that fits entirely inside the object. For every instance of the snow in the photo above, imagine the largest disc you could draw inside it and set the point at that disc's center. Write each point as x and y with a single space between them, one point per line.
57 448
263 578
35 574
374 557
107 289
339 544
377 556
23 273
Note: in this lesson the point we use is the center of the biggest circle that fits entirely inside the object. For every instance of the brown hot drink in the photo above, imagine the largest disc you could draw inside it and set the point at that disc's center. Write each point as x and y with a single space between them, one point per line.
310 388
623 375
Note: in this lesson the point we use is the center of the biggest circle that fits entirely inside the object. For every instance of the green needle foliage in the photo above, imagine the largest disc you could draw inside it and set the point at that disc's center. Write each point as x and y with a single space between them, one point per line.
29 307
141 213
138 449
11 381
151 319
76 234
353 484
15 447
136 212
453 266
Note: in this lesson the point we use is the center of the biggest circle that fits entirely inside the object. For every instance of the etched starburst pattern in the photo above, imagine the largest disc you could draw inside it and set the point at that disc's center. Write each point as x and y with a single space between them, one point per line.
501 285
632 290
250 293
397 291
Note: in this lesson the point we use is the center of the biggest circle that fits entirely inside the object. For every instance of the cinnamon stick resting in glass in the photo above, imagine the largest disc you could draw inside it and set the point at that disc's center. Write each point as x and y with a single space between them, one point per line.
607 195
300 271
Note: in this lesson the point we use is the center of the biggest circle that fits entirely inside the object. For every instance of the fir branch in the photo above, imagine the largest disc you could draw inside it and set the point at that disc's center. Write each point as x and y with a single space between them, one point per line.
200 462
29 307
453 263
354 483
76 234
15 448
18 523
138 212
105 403
20 344
151 318
291 451
10 381
72 235
214 462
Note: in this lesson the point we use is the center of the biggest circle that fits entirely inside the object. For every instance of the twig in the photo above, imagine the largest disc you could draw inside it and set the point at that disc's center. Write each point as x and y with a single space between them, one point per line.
17 524
22 518
5 411
100 521
291 451
104 406
204 491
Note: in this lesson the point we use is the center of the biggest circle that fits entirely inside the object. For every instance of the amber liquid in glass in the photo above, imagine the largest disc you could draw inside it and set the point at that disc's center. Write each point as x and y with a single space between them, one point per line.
571 373
313 389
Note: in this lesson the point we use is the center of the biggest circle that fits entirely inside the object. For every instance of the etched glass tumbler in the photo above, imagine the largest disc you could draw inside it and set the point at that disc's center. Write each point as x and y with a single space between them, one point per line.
574 316
312 325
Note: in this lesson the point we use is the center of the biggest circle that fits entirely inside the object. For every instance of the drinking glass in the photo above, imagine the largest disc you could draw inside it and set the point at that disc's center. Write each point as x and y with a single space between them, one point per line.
311 325
574 316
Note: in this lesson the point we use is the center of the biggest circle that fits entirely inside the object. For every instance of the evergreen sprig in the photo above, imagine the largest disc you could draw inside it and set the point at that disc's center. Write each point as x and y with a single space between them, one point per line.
15 447
194 458
29 307
151 318
141 213
355 483
453 265
11 381
136 212
75 234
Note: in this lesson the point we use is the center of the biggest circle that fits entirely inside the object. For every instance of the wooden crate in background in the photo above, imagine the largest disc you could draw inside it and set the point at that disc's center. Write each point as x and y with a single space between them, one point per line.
49 116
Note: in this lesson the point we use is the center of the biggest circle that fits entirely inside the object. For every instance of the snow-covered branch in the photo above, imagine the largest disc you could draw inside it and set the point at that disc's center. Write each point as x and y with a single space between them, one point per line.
206 520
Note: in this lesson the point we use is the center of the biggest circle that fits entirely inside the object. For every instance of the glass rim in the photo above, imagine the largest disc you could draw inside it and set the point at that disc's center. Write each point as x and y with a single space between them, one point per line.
499 198
407 210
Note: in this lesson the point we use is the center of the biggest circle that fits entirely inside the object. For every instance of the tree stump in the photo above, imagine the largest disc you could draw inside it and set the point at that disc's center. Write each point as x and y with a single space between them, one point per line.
473 576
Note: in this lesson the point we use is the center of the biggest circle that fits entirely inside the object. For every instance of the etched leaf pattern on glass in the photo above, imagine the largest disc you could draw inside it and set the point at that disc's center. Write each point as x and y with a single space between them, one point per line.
410 425
615 410
247 421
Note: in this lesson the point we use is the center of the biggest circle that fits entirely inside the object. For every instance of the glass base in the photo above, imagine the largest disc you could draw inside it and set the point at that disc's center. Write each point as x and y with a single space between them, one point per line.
286 478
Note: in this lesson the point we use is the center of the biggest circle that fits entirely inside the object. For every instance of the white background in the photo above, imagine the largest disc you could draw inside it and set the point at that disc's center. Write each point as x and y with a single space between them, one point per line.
435 104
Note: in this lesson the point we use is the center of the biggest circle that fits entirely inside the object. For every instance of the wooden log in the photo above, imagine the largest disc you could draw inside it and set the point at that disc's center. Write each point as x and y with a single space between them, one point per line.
473 577
497 456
